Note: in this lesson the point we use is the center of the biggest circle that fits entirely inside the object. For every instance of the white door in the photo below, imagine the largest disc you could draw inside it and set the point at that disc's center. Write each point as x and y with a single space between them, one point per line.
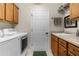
40 29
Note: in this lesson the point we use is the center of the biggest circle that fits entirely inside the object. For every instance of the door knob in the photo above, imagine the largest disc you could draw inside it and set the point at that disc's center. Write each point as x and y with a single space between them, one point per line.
46 33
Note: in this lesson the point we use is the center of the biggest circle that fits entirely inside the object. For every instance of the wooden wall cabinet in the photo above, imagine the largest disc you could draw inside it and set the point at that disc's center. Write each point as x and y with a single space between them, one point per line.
16 14
2 11
9 12
74 10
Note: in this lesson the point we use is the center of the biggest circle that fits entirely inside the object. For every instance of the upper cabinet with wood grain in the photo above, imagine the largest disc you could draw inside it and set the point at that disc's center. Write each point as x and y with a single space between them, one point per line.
16 14
9 12
2 11
74 10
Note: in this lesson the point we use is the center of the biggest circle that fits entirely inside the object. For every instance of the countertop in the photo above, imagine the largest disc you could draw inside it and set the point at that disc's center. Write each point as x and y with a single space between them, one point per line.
9 37
72 38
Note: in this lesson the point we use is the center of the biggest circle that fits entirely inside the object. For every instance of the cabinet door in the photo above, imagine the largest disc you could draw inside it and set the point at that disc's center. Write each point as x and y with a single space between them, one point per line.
74 10
74 49
62 51
63 43
16 14
9 12
54 46
70 54
2 11
10 48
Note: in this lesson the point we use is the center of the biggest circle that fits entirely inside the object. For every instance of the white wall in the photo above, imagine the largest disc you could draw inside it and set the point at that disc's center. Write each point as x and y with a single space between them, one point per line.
54 13
23 18
4 24
24 13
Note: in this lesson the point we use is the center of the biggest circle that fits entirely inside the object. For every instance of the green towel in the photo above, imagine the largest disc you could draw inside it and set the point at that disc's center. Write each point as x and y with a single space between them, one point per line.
39 53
